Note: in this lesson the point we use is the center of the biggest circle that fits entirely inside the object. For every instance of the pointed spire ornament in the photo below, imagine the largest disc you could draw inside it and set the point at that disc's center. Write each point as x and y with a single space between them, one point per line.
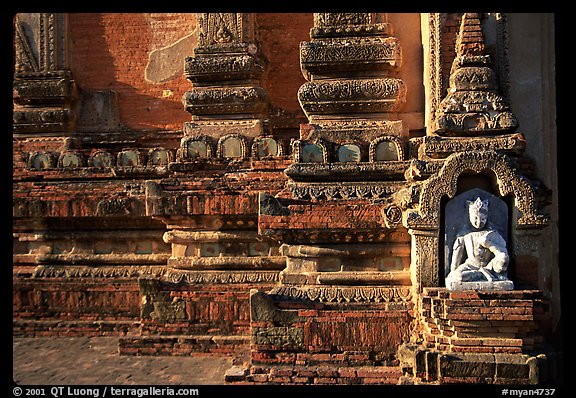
473 105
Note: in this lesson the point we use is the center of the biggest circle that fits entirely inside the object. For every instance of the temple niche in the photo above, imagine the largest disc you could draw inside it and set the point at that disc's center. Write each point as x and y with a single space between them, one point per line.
338 198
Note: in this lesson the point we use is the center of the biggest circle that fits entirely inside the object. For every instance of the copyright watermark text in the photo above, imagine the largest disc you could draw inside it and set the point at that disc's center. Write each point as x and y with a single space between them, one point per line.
525 392
103 391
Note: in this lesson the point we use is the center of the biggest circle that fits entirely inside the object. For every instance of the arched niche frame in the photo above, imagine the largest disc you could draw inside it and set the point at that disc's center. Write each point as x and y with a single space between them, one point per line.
424 221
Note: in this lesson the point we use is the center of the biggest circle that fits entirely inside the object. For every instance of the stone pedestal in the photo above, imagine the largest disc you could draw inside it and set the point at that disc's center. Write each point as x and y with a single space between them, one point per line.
486 337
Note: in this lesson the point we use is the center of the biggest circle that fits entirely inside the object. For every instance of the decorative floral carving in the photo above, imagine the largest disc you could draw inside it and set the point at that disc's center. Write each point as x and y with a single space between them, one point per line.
343 190
218 277
392 215
444 183
225 100
356 294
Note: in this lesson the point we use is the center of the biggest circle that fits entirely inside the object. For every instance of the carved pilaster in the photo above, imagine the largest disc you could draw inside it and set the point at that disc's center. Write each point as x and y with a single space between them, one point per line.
227 98
44 91
352 152
425 266
225 69
350 64
352 96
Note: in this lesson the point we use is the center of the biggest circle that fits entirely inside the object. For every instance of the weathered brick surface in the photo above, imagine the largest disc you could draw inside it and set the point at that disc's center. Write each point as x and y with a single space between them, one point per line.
344 345
324 375
277 33
121 43
63 307
211 309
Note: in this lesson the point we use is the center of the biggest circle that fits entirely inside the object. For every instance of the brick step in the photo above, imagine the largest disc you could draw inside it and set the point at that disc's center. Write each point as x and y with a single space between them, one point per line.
73 328
182 345
322 374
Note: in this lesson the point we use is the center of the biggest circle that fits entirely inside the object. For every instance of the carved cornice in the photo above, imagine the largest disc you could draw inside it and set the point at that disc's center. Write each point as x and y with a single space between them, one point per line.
223 67
436 146
220 277
228 263
77 271
343 190
157 272
356 294
337 56
225 100
347 171
351 96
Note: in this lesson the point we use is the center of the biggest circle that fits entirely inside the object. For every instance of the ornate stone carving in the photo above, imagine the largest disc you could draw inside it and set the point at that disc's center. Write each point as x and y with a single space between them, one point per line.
209 69
425 265
227 66
324 58
351 96
473 105
341 43
348 24
361 131
218 277
356 294
392 215
115 271
343 190
225 100
44 90
443 183
437 146
221 30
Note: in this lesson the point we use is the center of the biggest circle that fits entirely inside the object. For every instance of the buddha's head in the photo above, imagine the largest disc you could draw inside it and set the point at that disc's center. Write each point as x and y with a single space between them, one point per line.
478 212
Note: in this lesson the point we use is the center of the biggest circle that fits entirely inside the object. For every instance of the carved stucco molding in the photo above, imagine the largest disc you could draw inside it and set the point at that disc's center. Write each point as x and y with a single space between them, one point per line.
444 183
220 277
433 59
219 31
356 294
43 89
85 271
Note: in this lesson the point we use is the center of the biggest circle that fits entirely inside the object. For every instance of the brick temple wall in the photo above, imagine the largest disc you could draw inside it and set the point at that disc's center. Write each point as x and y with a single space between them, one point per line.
123 47
82 307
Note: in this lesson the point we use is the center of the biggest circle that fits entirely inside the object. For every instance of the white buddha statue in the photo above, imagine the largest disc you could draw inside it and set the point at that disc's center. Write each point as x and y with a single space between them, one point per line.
479 255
